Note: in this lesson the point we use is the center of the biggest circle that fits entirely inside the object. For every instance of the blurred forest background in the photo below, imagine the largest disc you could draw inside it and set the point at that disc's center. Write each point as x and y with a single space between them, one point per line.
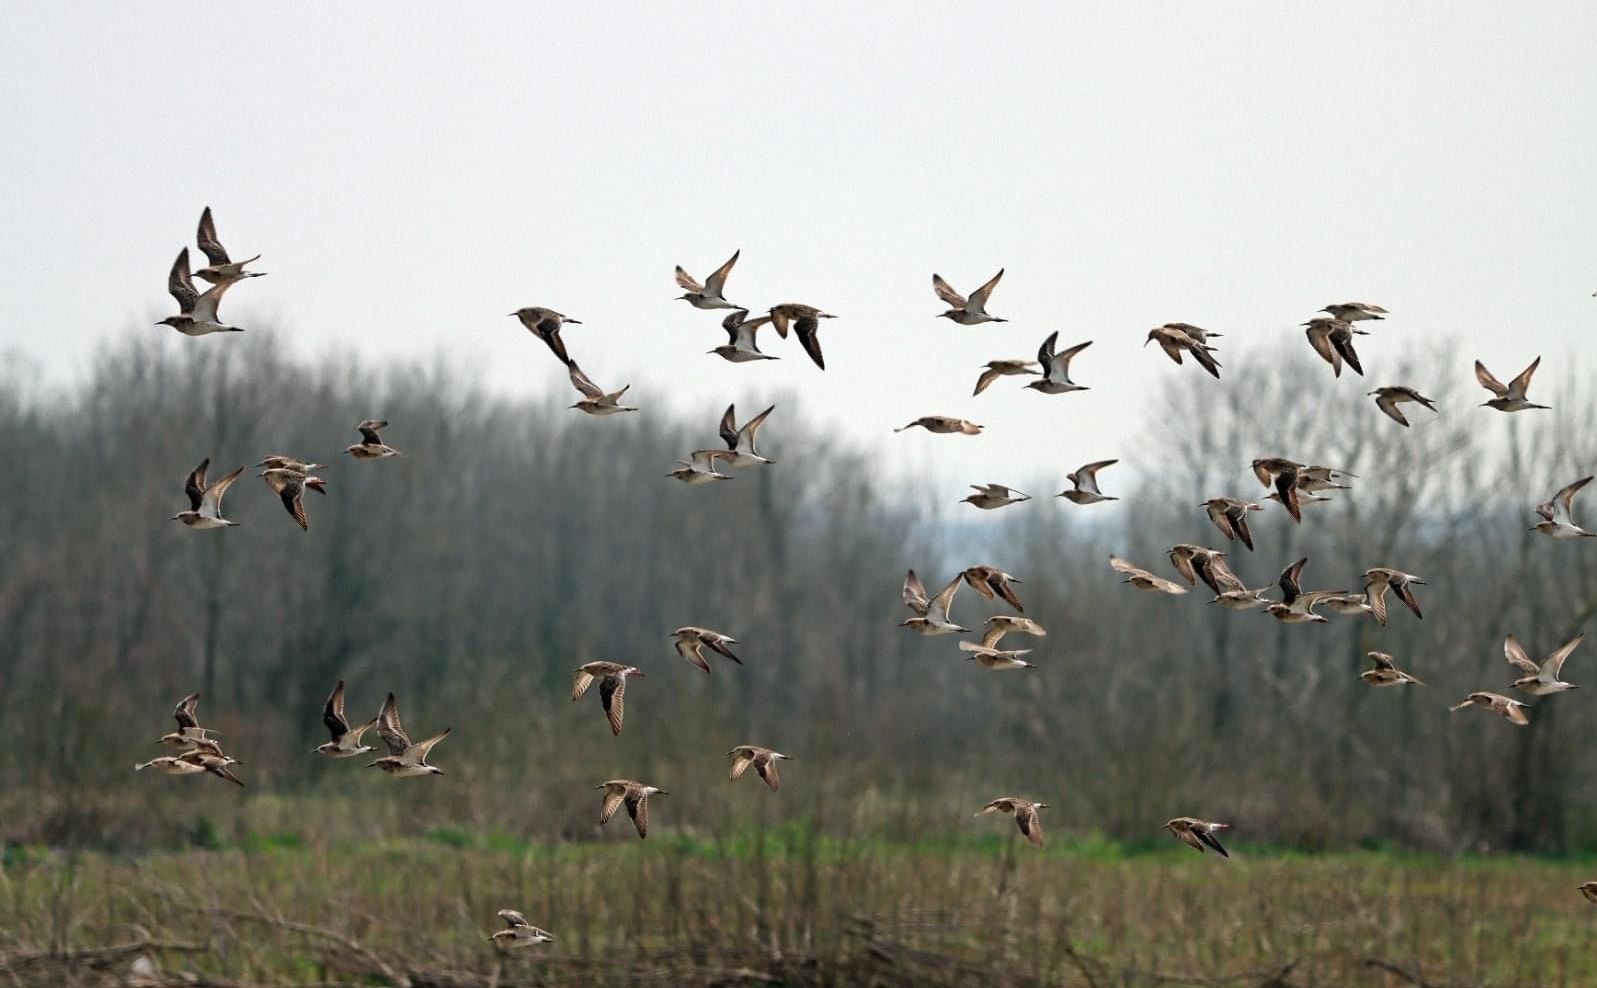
517 539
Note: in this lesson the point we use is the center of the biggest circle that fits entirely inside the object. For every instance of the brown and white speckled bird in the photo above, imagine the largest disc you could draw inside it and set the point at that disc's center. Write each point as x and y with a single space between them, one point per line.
994 369
1230 516
742 346
1354 311
289 486
197 313
1386 672
1144 580
1025 813
518 932
595 400
1540 679
931 614
1508 397
371 445
944 425
763 759
1056 367
991 582
189 733
990 497
806 323
545 324
345 741
691 643
1389 398
1174 342
970 311
1084 484
405 759
1379 579
1558 514
1198 834
1498 704
636 797
205 503
612 677
710 294
222 269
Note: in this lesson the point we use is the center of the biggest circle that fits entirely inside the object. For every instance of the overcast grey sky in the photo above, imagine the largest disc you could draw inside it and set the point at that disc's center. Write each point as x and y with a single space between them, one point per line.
413 172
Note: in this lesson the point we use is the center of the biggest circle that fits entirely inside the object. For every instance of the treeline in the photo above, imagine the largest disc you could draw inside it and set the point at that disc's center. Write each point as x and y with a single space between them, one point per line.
517 539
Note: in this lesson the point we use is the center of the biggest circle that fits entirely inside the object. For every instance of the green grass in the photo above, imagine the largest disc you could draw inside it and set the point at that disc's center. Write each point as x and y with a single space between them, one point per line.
810 908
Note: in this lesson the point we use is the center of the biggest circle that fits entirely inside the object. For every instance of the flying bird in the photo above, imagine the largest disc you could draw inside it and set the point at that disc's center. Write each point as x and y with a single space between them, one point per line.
1509 397
196 313
1175 341
1498 704
1379 579
699 467
595 401
994 369
371 445
404 759
1196 562
740 442
1354 311
741 346
289 486
1025 813
545 324
1332 339
612 677
1084 483
991 582
193 762
1558 514
518 932
1388 399
278 461
1010 623
1198 834
944 425
1589 890
636 797
971 311
222 269
1230 516
1386 672
1056 367
989 655
931 614
691 643
763 759
205 503
1540 679
1296 606
992 496
345 741
189 733
805 320
709 295
1144 580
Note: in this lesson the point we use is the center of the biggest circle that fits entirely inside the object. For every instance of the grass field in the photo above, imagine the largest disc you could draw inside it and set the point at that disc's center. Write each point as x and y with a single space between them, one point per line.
793 907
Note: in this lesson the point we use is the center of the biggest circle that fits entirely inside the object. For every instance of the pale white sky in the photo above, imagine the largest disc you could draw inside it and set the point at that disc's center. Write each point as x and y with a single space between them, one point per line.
413 172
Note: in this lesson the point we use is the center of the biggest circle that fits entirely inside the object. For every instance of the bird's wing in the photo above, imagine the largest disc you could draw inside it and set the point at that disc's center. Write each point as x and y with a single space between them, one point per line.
915 594
333 713
583 383
993 636
766 767
638 808
194 486
1388 404
418 751
728 429
368 431
1030 824
691 650
1406 595
1222 521
612 802
1286 486
1207 836
1566 498
1489 381
1183 563
751 428
580 684
978 298
1004 590
741 761
549 331
687 281
1291 585
212 502
209 245
946 292
987 377
1375 593
1045 353
513 918
292 493
1519 385
390 729
1555 662
717 642
1122 566
1243 532
945 597
180 285
807 327
1061 362
716 282
206 305
184 712
1087 476
1343 341
612 693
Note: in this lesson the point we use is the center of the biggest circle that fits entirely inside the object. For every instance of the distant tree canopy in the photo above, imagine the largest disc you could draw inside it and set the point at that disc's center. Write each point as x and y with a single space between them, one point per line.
517 539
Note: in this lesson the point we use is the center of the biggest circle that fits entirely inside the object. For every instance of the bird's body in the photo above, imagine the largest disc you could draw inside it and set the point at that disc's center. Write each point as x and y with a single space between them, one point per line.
635 795
345 741
1084 484
990 656
806 323
699 467
518 932
1014 624
1540 679
1198 834
595 401
931 614
1508 397
989 497
371 445
970 311
1056 367
545 324
612 677
944 425
691 643
1386 672
711 294
1388 399
205 503
197 313
1502 706
764 761
1025 813
405 759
